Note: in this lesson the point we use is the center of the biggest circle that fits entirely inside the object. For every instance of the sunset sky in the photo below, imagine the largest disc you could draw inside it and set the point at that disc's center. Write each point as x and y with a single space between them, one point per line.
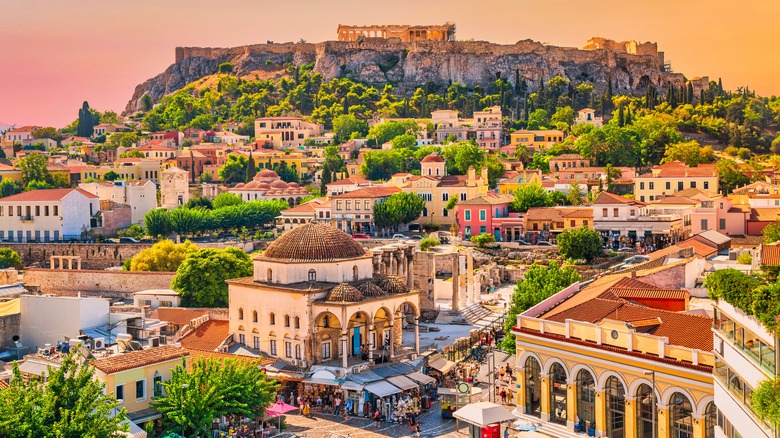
54 54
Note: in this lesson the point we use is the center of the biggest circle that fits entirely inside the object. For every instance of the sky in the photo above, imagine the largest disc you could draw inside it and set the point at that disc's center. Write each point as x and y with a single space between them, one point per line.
55 54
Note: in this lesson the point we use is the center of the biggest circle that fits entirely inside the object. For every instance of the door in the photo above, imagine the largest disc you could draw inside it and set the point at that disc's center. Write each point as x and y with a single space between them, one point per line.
497 234
356 341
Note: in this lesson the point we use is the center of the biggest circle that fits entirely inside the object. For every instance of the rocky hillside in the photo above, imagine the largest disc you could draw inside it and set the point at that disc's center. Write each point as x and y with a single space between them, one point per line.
409 65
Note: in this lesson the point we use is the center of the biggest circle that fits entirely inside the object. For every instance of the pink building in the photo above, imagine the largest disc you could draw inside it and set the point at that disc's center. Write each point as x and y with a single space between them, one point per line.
717 213
485 214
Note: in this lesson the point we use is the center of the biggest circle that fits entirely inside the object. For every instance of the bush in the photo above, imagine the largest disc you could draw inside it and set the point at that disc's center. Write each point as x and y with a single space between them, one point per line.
10 259
582 243
483 239
766 401
429 242
745 259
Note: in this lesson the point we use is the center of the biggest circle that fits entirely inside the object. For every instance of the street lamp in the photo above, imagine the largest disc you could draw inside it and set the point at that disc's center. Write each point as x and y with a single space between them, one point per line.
181 404
652 400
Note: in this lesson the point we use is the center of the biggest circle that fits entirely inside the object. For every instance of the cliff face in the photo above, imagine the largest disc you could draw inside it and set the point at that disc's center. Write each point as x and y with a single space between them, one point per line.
409 65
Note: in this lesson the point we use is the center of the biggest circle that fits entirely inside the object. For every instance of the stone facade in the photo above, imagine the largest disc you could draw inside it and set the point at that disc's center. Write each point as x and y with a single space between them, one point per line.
10 326
116 284
93 255
404 32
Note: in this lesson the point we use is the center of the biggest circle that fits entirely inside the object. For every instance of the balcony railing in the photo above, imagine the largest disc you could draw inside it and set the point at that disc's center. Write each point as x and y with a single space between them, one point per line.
26 218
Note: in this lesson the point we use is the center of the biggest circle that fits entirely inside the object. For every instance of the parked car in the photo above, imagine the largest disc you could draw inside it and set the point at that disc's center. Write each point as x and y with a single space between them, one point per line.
399 236
417 237
111 241
127 240
147 240
360 236
522 242
544 243
626 249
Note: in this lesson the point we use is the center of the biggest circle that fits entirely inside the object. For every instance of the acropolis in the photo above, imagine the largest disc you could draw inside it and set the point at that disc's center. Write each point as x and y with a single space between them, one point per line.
407 33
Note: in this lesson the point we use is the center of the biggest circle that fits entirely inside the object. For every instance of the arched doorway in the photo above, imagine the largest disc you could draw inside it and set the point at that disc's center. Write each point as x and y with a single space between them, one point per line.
586 397
644 411
680 416
357 334
557 394
616 408
533 387
710 420
327 335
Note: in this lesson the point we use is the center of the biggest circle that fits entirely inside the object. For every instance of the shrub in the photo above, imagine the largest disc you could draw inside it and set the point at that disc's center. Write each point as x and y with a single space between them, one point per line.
745 259
766 401
483 239
429 242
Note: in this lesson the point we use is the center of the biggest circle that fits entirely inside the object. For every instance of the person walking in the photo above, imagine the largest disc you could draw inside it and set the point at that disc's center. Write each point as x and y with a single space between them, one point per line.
377 416
337 406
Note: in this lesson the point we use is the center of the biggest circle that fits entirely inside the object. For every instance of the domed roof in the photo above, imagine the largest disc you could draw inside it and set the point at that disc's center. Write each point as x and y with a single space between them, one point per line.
240 185
395 284
266 173
344 293
369 289
263 185
293 185
432 158
279 184
313 242
251 185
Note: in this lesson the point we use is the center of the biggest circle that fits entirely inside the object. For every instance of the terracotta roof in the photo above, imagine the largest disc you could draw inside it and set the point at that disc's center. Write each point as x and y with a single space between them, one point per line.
759 214
395 284
675 200
201 354
344 293
701 194
543 214
45 195
3 384
758 186
613 199
208 336
369 289
368 192
770 254
349 181
489 200
677 169
137 359
455 180
432 158
307 207
313 242
178 315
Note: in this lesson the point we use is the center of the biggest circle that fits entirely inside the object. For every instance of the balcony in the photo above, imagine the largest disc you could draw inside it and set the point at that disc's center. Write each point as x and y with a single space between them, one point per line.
26 218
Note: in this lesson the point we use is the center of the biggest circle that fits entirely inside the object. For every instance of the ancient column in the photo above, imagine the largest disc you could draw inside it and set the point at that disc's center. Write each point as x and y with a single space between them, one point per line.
455 282
472 296
417 334
409 269
371 346
462 285
70 263
345 351
78 261
51 262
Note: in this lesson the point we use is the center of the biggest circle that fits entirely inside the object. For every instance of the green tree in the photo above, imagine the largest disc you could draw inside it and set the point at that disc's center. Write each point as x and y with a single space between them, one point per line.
399 208
226 68
745 259
47 132
226 199
482 239
689 152
772 233
9 187
563 119
69 403
581 243
730 175
200 202
213 388
539 283
200 279
132 153
404 141
185 221
33 167
251 168
10 259
429 242
86 123
733 286
462 156
539 119
158 222
347 125
529 196
110 176
163 256
234 169
765 401
574 195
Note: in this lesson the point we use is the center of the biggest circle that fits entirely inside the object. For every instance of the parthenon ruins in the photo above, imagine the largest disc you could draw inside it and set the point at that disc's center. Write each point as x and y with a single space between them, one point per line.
406 33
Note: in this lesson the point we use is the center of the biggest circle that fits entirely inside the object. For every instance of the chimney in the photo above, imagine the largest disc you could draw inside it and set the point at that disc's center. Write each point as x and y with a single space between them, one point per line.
472 178
484 175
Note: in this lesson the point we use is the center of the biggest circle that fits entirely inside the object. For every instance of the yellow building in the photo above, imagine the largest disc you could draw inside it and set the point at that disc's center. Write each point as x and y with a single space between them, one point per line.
523 177
267 159
669 178
598 361
136 377
127 168
536 139
10 172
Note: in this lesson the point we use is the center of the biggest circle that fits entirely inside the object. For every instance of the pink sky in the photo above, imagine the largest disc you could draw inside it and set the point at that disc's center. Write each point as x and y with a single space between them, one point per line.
56 54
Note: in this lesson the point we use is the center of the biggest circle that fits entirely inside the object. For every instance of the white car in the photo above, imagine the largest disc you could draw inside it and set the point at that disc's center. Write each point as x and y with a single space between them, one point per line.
399 236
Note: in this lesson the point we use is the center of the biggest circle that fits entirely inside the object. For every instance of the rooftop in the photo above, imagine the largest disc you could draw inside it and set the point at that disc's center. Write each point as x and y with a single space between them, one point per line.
208 336
489 200
137 359
45 195
313 242
178 315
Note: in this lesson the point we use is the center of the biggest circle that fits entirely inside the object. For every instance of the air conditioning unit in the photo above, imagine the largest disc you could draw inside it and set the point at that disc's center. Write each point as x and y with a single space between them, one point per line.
154 341
99 344
294 362
339 374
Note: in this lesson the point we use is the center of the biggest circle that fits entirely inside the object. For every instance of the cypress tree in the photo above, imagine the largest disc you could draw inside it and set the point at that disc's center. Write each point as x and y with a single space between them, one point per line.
609 89
720 87
701 96
629 117
621 116
690 92
251 169
86 126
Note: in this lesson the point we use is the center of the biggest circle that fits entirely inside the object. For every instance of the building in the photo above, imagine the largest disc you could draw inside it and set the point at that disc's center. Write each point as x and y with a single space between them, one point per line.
174 188
130 169
520 179
588 115
613 358
666 179
485 215
628 221
155 298
48 319
317 297
10 172
404 32
285 132
345 185
486 127
135 378
108 128
541 223
536 140
568 161
353 212
157 151
267 185
303 214
141 196
14 136
48 215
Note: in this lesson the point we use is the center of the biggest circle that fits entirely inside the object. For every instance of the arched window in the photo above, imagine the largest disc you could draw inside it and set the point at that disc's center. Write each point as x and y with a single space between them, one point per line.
710 420
558 394
355 273
680 416
297 322
270 275
325 321
240 313
644 411
586 397
312 275
286 320
616 408
254 316
272 319
533 387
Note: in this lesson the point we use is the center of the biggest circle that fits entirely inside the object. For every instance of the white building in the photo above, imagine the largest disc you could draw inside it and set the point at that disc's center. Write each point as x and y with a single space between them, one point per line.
588 115
45 215
155 298
141 196
174 188
744 357
286 131
47 319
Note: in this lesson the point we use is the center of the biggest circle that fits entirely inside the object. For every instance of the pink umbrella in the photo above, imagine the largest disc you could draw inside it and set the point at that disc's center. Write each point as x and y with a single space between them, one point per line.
278 409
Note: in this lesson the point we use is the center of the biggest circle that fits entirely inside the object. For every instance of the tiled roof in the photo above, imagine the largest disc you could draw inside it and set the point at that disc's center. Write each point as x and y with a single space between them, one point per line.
3 384
762 214
455 180
177 315
675 200
543 214
677 169
613 199
198 354
137 359
368 192
344 293
697 193
770 254
208 336
432 158
369 289
489 200
313 242
45 195
349 181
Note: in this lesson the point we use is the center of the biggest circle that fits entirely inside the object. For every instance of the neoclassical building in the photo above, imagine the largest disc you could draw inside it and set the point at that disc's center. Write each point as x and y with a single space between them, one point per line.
318 297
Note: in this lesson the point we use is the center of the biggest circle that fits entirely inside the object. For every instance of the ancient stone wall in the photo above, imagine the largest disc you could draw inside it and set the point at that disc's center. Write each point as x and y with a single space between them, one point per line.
93 255
114 284
10 326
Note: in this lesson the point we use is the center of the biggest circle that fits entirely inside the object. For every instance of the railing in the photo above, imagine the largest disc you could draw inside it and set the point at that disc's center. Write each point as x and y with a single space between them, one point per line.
26 218
462 346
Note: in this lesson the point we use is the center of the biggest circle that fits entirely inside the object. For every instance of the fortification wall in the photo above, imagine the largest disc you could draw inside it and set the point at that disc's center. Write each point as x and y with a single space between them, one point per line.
93 255
114 284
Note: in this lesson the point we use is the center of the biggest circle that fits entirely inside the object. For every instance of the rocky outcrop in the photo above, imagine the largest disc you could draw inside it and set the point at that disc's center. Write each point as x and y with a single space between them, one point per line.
409 65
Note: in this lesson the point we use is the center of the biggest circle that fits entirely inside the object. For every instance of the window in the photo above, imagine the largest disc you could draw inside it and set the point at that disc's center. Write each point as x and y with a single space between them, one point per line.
463 196
272 319
256 342
573 223
270 275
312 275
710 419
642 198
326 350
467 215
254 316
140 390
615 212
297 351
445 212
56 210
585 223
241 338
240 313
632 212
482 215
641 185
297 322
273 347
605 212
286 320
722 224
37 210
445 196
680 416
162 303
120 392
288 349
586 396
704 225
706 185
558 394
652 185
693 184
644 411
668 185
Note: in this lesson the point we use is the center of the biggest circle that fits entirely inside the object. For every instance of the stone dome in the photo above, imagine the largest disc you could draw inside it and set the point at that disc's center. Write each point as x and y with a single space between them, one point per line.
266 175
293 185
263 185
251 185
279 184
240 185
313 242
369 289
395 284
344 293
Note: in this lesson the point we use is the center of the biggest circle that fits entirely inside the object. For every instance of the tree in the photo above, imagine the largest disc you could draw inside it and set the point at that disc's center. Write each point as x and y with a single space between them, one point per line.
33 167
86 123
772 233
199 202
213 388
9 187
745 259
206 177
482 239
733 286
251 168
234 169
110 176
689 152
429 242
200 279
539 119
404 141
69 403
581 243
399 208
10 259
226 68
158 222
730 175
47 132
226 199
132 153
163 256
574 196
462 156
347 125
765 401
529 196
539 283
563 118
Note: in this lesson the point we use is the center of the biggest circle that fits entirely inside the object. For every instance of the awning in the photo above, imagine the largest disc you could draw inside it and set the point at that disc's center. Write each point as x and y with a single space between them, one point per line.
351 386
403 382
483 413
365 377
442 365
314 381
382 389
421 378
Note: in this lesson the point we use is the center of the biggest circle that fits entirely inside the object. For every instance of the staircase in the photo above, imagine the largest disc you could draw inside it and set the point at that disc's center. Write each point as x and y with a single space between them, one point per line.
549 429
474 315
